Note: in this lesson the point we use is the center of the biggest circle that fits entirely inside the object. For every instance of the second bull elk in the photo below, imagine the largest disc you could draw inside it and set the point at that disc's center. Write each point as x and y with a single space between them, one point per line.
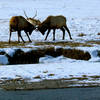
19 23
54 22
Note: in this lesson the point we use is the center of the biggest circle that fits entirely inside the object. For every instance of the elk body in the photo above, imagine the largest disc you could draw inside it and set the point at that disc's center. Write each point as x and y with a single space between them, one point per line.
19 23
54 22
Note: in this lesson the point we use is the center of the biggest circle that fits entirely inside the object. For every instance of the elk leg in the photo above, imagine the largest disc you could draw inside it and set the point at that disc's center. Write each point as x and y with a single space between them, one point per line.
68 31
47 34
19 34
63 30
10 36
53 34
28 37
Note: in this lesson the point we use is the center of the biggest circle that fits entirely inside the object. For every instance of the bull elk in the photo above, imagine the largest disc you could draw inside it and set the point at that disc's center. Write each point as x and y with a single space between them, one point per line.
32 20
54 22
19 23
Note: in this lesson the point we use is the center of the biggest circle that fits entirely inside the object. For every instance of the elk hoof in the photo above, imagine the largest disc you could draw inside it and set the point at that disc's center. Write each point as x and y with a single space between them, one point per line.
71 38
30 41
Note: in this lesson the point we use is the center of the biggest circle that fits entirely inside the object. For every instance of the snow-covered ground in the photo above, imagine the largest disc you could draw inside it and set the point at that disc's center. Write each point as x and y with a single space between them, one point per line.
83 16
55 70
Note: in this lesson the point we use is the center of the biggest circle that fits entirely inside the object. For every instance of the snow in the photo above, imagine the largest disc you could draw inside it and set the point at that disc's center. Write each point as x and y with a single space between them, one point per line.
3 59
9 51
83 16
59 69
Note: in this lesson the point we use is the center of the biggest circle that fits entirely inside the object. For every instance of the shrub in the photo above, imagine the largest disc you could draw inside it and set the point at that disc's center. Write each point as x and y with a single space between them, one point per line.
76 54
50 51
98 34
21 57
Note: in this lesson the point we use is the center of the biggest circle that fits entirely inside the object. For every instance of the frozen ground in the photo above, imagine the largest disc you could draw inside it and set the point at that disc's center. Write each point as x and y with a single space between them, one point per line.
83 16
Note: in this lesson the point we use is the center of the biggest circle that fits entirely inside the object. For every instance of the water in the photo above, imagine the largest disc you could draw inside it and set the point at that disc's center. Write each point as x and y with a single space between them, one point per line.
52 94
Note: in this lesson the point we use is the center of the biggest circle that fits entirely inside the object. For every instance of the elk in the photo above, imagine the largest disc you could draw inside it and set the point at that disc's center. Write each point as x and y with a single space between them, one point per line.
54 22
19 23
32 20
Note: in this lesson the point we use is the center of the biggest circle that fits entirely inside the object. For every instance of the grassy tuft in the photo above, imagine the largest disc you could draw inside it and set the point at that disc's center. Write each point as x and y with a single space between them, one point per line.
51 74
93 42
37 77
12 44
81 34
79 78
95 76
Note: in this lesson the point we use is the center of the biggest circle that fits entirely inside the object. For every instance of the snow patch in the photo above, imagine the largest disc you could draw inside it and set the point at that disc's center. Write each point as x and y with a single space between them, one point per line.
3 60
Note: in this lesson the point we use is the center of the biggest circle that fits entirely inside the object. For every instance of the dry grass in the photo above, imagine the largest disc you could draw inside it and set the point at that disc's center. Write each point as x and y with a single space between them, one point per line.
79 78
81 34
69 43
76 54
45 71
12 44
93 42
95 76
37 77
51 74
61 43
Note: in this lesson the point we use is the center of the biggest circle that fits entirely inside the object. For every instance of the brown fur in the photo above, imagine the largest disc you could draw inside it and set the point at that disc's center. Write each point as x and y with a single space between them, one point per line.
19 23
33 21
54 22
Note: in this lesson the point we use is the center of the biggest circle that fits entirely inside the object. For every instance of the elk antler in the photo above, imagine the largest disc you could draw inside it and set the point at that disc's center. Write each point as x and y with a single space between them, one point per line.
25 14
35 14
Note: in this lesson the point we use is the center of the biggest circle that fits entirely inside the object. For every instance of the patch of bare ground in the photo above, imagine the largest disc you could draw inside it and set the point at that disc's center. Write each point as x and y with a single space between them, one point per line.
81 34
4 44
12 44
63 44
93 42
20 83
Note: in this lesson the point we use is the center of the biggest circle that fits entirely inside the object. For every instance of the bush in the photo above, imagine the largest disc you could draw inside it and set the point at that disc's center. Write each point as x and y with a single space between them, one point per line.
21 57
50 51
76 54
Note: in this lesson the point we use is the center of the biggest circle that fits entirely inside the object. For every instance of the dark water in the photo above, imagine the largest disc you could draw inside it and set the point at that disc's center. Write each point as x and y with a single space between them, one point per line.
53 94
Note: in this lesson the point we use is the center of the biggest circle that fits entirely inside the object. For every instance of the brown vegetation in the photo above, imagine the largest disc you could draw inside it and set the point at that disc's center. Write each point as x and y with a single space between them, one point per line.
64 44
81 34
76 54
20 57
